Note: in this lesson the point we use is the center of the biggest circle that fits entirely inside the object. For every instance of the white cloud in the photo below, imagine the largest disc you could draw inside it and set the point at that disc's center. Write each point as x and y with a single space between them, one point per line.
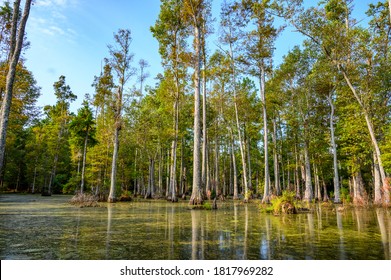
58 15
56 3
47 31
50 18
57 30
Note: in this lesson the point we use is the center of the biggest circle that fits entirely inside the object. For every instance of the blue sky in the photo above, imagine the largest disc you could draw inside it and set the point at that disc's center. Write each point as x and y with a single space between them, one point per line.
70 38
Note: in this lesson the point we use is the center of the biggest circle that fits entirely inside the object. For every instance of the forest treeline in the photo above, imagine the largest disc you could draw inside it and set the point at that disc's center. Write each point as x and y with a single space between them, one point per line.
219 121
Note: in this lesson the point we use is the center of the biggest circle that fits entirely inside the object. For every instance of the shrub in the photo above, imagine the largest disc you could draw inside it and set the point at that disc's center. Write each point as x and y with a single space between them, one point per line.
284 204
126 196
345 196
84 200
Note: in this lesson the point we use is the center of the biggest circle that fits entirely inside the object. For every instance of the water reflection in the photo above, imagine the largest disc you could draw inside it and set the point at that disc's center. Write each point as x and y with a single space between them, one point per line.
265 241
196 251
108 230
384 221
52 229
245 249
342 255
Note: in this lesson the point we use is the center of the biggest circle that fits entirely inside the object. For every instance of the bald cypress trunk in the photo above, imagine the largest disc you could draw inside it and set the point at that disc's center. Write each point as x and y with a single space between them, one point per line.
173 180
240 137
266 194
371 134
359 193
14 55
112 195
204 129
377 182
308 193
296 175
337 198
275 160
196 196
83 168
389 6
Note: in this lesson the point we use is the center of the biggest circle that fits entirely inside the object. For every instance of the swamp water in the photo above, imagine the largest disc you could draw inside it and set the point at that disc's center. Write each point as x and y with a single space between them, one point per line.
36 227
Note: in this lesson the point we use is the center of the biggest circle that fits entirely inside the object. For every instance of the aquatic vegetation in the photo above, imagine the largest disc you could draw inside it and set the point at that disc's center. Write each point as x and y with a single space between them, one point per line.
84 200
126 196
284 204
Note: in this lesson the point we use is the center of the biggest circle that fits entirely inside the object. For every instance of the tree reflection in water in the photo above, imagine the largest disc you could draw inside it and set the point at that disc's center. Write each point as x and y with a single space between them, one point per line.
108 230
384 221
33 227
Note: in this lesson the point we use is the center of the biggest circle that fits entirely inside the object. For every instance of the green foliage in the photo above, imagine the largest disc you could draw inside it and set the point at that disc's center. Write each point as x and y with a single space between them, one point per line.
207 206
248 195
125 195
47 150
261 186
277 203
72 185
345 196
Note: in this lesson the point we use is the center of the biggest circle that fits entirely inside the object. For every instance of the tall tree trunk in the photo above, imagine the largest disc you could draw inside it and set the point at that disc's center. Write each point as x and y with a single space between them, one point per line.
181 170
207 179
168 174
14 55
235 173
118 119
296 174
120 60
249 165
266 194
48 190
196 196
113 179
318 191
78 162
325 195
389 7
359 194
372 135
204 129
337 198
377 181
160 171
151 179
288 179
106 166
241 144
224 191
35 176
231 177
308 193
217 171
135 173
275 160
173 180
83 168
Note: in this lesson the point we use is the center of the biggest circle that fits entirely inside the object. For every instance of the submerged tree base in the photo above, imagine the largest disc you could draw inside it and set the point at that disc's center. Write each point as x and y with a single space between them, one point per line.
196 198
84 200
197 201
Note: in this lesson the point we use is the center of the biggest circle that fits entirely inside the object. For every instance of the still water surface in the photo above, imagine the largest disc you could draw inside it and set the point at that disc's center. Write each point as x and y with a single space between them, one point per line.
35 227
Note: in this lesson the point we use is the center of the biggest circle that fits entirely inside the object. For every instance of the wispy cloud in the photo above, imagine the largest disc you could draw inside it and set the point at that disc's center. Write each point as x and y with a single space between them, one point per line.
53 31
51 18
56 3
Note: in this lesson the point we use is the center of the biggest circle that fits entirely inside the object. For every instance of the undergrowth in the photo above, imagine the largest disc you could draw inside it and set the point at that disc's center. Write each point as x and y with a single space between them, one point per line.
84 200
285 204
